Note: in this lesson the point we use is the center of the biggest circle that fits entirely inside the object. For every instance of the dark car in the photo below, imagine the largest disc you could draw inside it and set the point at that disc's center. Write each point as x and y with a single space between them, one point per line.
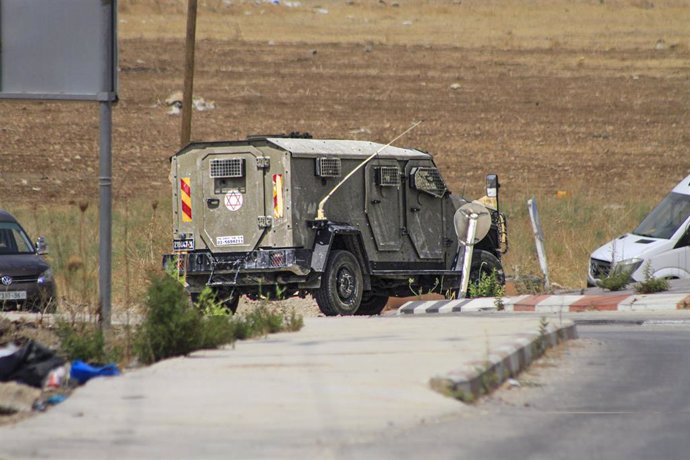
26 280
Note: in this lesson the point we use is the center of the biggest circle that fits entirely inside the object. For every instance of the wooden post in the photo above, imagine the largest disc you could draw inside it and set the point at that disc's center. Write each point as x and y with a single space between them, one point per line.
186 131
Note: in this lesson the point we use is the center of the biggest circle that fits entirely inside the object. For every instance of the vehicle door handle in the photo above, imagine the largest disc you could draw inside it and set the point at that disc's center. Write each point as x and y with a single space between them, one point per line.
375 201
414 209
212 202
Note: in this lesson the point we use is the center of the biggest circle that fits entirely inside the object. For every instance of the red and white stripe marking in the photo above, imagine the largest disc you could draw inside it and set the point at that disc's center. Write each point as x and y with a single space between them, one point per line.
553 303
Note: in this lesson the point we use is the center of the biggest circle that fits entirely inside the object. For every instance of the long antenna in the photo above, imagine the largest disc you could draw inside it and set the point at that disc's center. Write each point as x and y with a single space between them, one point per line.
320 215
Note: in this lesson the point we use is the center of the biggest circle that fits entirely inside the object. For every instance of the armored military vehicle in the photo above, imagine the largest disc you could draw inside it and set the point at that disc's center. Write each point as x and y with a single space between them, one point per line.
271 217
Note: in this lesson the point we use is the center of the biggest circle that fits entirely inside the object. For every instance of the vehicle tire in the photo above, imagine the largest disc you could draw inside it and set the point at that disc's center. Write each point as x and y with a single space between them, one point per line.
341 285
371 304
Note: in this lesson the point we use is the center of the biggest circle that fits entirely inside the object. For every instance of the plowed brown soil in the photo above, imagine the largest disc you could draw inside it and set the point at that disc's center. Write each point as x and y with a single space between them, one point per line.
549 111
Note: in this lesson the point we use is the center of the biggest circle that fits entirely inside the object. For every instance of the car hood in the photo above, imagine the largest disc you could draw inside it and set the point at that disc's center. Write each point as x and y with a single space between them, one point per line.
630 246
22 265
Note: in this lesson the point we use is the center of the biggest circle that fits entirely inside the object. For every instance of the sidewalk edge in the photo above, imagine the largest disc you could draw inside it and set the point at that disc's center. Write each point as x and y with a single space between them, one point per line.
468 385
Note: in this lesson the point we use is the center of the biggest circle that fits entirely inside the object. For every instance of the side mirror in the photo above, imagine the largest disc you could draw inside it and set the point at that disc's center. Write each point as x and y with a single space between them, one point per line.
41 246
492 187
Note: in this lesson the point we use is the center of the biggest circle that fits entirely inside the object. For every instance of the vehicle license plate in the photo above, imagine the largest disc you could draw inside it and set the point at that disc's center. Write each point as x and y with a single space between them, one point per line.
183 245
12 295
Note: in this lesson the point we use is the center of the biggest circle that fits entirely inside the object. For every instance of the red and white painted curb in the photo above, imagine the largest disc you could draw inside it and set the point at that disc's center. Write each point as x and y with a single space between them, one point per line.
553 303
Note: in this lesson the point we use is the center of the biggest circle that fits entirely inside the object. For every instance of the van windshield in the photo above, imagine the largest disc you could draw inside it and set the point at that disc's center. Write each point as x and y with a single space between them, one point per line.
665 219
13 240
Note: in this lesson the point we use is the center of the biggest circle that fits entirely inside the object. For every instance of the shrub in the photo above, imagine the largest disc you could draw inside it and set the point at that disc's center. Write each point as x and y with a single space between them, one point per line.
171 326
650 285
616 280
85 341
488 285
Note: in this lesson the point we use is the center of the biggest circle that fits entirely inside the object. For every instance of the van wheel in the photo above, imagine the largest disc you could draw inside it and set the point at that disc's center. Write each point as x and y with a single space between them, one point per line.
372 304
341 285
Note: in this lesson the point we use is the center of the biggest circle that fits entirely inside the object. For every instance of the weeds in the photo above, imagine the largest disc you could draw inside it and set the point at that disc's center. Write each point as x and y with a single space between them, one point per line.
542 341
85 341
616 280
488 285
173 326
651 285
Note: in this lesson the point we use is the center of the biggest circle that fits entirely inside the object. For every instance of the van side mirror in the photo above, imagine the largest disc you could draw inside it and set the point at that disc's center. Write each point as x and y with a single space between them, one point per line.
41 246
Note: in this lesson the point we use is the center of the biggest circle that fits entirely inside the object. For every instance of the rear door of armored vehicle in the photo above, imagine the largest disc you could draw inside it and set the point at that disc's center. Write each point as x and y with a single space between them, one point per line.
234 199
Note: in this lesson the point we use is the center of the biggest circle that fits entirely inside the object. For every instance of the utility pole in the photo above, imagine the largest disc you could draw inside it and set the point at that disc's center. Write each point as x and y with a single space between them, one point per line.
186 131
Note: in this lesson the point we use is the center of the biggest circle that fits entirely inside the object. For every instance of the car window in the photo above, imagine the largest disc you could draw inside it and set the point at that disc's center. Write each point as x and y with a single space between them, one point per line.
665 219
13 240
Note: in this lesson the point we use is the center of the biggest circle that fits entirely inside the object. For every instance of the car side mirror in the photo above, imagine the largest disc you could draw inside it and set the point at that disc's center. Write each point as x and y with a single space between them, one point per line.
41 246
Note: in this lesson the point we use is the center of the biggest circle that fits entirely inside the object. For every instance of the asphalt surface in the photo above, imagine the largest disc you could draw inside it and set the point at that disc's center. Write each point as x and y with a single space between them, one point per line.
337 382
360 388
620 392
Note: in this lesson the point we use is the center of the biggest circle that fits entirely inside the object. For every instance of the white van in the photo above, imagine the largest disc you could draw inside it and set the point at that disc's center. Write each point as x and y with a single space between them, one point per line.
662 240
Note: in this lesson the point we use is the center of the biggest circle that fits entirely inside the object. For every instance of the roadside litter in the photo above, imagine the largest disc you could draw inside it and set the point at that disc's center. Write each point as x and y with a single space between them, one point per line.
30 363
82 372
174 101
33 377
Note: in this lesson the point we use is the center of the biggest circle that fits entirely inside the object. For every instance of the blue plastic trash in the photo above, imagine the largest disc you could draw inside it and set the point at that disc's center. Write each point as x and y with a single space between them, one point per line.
82 372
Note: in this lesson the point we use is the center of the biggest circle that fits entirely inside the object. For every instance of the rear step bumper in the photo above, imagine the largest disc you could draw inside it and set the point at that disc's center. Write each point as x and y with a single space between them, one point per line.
295 261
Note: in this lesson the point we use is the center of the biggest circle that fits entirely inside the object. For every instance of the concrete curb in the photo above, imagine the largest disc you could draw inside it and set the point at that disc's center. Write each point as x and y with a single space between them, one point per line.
476 379
553 303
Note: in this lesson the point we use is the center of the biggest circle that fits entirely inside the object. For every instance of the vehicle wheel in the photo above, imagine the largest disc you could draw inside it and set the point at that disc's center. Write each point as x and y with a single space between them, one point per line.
341 285
371 304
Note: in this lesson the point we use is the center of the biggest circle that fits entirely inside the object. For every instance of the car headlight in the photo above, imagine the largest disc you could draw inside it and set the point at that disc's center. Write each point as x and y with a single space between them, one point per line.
46 277
628 265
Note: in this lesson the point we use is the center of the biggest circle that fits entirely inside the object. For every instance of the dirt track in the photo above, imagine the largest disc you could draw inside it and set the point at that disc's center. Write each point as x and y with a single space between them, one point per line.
596 120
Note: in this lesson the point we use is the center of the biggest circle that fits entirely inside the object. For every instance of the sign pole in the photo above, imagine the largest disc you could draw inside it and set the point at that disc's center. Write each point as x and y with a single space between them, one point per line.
105 212
186 131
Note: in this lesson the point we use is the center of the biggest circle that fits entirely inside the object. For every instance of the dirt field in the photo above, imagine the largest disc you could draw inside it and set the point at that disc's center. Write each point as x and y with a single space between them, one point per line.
590 97
549 95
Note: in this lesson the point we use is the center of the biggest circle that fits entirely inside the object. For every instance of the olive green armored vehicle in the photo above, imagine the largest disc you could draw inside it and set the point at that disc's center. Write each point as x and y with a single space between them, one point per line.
349 222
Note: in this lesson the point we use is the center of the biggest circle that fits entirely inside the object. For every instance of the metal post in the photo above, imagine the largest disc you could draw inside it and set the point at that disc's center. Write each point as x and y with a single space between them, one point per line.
467 258
539 240
105 213
186 131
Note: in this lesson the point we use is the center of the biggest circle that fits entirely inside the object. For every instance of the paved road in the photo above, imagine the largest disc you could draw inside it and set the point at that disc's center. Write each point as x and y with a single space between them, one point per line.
621 392
339 381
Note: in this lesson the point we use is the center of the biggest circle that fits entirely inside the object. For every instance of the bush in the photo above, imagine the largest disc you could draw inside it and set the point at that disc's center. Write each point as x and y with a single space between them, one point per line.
173 326
650 285
82 341
616 280
85 341
488 285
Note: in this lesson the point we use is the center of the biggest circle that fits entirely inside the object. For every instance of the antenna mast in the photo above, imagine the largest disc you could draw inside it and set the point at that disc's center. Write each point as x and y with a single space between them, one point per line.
320 215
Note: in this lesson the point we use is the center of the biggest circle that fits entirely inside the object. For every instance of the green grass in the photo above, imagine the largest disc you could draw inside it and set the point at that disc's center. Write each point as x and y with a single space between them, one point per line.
141 234
573 227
